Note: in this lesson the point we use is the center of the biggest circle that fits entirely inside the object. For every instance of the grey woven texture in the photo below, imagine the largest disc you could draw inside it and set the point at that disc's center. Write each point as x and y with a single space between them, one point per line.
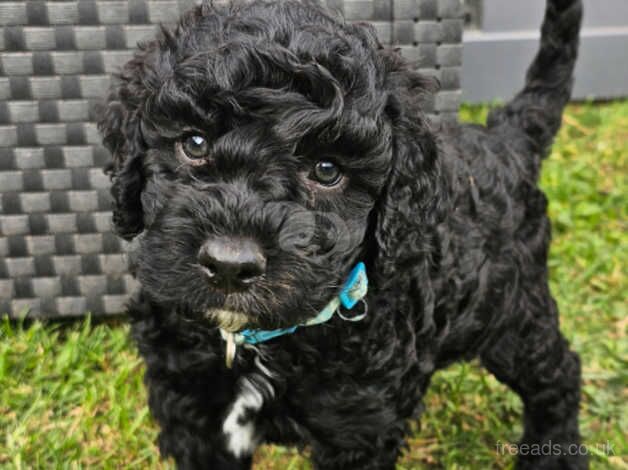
58 256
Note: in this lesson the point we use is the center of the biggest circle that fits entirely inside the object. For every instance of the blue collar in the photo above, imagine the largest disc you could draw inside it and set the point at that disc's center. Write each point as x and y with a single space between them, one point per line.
353 291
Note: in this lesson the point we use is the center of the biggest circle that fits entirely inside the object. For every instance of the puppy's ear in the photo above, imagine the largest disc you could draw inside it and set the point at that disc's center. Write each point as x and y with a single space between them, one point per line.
119 125
408 211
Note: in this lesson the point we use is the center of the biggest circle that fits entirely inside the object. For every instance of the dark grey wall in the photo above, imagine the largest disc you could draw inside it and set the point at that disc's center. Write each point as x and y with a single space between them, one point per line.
497 53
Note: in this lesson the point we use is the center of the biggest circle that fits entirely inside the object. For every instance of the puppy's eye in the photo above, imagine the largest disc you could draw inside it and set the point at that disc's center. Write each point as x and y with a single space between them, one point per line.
326 173
195 147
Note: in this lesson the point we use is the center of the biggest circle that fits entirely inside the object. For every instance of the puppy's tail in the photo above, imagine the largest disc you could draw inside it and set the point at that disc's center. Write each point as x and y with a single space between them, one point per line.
538 108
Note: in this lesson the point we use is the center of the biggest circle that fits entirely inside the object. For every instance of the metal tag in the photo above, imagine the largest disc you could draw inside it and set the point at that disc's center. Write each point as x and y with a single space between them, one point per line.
230 349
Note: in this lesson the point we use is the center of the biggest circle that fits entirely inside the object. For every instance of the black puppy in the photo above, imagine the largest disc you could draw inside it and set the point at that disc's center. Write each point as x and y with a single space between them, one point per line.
261 153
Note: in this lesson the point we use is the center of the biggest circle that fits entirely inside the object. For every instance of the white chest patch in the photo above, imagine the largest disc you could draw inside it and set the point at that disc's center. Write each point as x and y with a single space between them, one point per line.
238 427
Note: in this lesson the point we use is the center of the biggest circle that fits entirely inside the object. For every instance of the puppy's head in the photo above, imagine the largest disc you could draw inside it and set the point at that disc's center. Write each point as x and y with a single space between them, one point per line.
261 150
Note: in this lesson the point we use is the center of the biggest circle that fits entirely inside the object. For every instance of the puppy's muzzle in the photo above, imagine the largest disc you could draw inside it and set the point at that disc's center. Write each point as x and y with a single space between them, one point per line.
232 263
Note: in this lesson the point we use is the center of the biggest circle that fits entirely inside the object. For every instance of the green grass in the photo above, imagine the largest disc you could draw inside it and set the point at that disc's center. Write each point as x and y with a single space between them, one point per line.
71 395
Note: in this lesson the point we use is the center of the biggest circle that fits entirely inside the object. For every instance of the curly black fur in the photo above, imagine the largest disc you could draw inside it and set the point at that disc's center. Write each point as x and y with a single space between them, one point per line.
448 220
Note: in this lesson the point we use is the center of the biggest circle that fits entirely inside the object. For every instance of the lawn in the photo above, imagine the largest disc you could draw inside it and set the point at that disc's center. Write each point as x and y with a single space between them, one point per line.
71 394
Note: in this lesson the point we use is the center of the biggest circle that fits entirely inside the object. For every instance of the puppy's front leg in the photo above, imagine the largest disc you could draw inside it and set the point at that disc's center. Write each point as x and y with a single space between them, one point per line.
190 391
357 435
380 454
190 427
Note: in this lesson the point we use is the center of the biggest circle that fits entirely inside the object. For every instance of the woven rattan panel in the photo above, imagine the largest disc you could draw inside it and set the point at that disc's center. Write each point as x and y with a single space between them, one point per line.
58 256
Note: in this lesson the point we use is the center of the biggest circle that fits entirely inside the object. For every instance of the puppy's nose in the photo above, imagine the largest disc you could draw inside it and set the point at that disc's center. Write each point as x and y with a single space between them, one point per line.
232 262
